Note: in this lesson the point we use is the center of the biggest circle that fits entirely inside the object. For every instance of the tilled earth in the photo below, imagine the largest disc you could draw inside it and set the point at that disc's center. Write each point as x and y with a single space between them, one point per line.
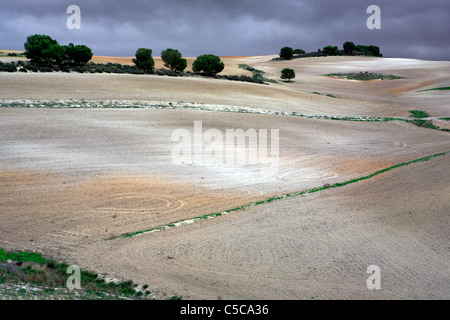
70 178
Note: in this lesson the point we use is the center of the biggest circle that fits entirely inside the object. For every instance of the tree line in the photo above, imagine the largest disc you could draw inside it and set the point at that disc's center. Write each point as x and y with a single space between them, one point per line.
349 49
47 53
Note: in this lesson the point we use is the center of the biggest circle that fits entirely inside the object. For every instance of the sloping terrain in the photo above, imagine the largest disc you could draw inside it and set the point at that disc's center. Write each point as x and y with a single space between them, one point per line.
72 177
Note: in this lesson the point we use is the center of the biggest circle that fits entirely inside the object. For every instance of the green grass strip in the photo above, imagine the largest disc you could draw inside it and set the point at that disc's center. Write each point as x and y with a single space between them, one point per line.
434 89
23 256
279 197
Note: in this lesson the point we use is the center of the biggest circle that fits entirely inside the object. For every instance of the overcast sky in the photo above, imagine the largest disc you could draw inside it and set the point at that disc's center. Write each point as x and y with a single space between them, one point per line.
409 28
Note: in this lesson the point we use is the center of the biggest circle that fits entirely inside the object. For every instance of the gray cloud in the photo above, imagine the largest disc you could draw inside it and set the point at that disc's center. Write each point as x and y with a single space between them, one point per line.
410 28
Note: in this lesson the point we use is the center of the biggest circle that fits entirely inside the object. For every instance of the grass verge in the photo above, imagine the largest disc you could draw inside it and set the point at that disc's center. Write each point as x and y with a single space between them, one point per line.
435 89
29 275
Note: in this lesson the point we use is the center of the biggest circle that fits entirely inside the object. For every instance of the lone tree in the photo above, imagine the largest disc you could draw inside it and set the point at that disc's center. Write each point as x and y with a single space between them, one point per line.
43 50
79 54
286 53
144 60
288 74
208 64
349 47
173 60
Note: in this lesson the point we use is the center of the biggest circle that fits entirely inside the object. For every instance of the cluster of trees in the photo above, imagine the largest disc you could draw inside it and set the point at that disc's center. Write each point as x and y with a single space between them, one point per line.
207 64
42 50
349 49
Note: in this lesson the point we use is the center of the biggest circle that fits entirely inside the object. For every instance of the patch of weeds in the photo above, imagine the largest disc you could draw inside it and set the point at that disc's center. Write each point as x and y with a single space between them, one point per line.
425 124
419 114
446 119
363 76
257 74
51 276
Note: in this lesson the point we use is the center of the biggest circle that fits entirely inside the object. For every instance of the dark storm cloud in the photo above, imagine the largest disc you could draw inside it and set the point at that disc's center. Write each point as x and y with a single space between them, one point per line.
413 28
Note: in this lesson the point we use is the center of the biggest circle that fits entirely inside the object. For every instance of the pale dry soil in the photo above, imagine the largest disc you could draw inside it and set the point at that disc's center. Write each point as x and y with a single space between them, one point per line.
71 178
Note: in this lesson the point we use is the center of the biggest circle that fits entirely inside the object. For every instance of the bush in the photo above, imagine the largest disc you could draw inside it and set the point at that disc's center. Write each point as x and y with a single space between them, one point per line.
8 67
288 74
244 78
144 60
208 64
162 72
286 53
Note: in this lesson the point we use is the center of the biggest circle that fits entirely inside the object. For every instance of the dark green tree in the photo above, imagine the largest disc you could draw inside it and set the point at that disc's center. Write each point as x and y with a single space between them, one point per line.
349 47
288 74
144 60
79 54
172 59
331 50
286 53
374 50
208 64
43 50
299 51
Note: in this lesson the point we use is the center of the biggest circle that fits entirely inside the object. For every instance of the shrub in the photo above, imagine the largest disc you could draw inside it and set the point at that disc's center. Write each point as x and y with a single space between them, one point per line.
286 53
288 74
208 64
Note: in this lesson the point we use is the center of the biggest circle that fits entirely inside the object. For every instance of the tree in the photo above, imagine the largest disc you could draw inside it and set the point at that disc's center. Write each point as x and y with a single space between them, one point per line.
369 50
349 47
331 51
287 73
173 60
286 53
43 50
144 60
208 64
79 54
299 51
182 64
374 50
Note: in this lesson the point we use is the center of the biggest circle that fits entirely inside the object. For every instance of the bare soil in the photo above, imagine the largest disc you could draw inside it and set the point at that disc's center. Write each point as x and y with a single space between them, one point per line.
71 178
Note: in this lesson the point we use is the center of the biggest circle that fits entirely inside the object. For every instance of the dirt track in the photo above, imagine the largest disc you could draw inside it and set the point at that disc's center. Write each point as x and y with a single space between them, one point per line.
70 178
